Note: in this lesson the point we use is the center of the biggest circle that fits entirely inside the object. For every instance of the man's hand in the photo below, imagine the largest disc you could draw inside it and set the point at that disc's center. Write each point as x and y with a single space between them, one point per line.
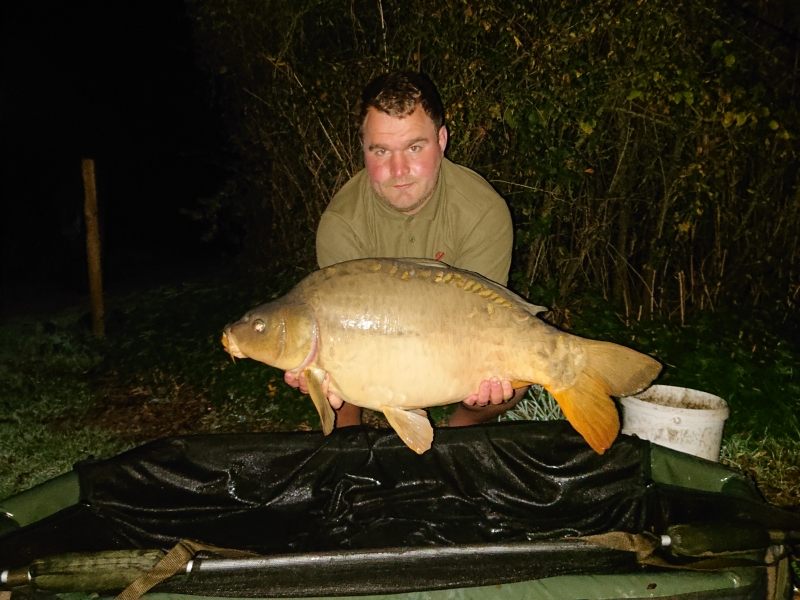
494 397
299 381
491 391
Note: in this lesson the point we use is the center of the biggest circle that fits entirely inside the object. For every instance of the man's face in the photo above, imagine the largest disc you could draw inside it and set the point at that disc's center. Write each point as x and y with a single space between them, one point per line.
402 156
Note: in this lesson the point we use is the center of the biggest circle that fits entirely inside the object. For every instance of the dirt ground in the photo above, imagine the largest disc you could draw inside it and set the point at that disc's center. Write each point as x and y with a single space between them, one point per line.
142 414
136 416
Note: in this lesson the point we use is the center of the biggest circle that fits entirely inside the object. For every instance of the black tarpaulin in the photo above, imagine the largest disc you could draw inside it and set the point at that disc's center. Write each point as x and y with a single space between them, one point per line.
363 488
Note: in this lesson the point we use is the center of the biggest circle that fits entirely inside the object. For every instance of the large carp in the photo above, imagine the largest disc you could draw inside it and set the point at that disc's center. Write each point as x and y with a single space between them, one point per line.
399 335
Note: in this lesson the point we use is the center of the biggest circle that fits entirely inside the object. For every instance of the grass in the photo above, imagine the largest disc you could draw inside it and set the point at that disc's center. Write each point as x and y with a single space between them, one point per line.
43 381
537 405
774 464
161 371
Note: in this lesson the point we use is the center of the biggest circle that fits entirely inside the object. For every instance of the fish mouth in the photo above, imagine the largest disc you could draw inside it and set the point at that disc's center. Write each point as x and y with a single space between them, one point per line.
229 343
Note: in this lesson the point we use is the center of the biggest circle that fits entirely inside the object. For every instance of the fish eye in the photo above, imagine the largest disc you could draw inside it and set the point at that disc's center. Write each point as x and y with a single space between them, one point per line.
258 325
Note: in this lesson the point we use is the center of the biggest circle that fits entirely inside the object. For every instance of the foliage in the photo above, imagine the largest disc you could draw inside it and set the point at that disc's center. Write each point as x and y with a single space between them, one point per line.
748 361
43 381
775 466
645 148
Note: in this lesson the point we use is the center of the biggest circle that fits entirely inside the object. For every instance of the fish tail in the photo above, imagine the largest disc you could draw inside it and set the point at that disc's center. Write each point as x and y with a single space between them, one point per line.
605 370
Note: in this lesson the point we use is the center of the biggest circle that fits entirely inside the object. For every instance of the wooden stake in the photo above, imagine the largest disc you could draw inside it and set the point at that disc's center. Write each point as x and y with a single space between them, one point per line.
93 248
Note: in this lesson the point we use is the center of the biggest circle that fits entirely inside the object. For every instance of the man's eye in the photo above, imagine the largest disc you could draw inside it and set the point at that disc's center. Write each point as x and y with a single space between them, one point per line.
415 148
380 152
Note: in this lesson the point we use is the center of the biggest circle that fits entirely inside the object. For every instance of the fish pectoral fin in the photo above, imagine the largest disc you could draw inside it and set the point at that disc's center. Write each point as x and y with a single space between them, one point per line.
516 384
315 378
412 426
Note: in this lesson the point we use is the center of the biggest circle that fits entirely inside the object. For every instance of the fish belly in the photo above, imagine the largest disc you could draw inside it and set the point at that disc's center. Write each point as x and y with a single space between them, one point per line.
407 373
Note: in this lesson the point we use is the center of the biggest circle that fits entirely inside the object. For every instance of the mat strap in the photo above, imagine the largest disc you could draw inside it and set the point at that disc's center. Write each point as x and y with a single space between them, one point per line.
174 562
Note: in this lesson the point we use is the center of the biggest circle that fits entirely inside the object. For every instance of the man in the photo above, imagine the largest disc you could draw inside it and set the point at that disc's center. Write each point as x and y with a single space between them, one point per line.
410 201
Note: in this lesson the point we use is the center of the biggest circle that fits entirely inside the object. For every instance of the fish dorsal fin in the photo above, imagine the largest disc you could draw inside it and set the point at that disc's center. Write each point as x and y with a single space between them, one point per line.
315 378
412 426
535 309
426 262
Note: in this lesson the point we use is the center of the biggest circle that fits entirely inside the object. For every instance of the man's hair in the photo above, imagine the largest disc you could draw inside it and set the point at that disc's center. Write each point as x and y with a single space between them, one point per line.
398 93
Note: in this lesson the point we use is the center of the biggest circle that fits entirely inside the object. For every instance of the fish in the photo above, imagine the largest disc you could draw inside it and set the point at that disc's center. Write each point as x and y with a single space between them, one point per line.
402 335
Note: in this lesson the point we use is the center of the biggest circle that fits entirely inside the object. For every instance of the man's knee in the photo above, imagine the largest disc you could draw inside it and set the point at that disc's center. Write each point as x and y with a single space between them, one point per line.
348 415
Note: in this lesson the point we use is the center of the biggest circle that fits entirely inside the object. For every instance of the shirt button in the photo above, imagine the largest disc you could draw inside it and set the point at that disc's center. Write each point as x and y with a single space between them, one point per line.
411 240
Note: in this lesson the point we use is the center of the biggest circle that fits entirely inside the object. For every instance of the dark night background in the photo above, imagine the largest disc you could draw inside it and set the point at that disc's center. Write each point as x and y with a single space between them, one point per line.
119 83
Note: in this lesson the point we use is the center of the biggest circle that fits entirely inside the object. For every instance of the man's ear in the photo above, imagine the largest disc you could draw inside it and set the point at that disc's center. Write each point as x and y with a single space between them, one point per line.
443 138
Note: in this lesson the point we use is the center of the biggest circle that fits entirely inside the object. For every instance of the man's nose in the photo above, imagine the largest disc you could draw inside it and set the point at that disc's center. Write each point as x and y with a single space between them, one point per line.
399 165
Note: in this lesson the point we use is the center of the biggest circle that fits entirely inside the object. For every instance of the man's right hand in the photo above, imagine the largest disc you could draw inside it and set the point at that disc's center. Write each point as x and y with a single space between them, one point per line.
298 380
492 391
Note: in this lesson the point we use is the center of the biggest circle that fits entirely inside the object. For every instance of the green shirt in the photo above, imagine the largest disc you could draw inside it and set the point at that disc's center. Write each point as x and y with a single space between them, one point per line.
465 224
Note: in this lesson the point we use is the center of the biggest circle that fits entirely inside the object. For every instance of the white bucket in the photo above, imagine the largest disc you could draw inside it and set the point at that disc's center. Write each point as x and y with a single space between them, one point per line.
679 418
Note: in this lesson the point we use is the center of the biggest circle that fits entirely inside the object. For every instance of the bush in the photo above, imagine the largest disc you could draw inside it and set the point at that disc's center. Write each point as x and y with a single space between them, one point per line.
645 148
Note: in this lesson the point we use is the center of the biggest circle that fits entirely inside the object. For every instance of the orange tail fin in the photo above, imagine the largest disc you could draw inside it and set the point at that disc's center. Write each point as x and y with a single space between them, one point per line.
605 370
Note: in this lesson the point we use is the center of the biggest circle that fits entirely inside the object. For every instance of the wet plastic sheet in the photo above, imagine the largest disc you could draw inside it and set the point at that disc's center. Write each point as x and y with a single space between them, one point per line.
363 488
